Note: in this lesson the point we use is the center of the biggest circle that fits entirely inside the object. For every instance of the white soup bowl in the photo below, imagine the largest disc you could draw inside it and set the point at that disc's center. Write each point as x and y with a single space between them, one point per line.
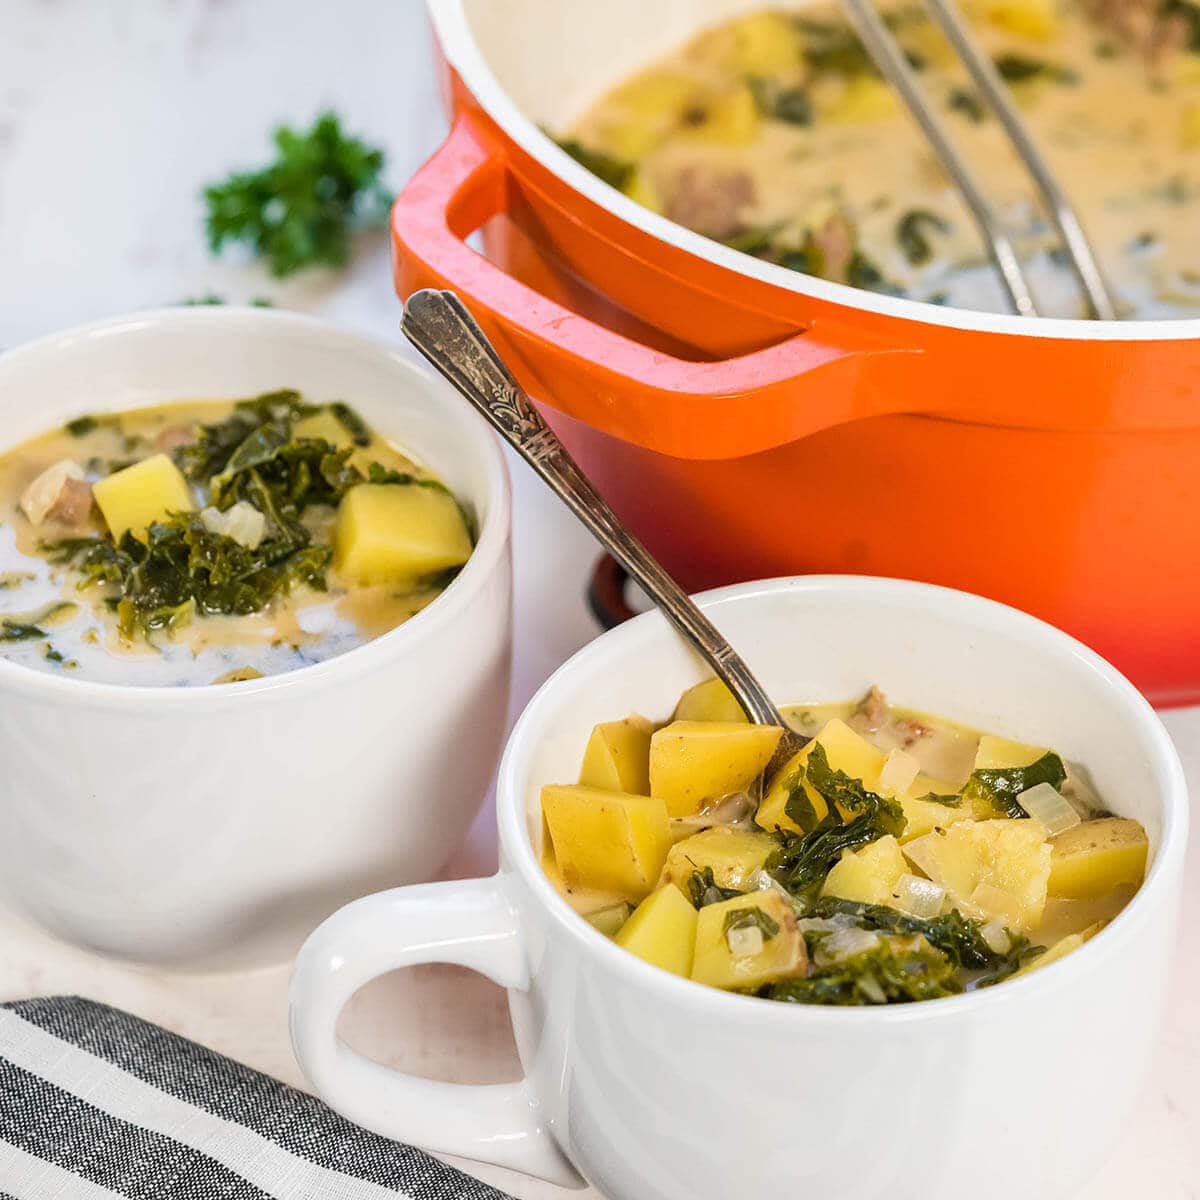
655 1088
213 827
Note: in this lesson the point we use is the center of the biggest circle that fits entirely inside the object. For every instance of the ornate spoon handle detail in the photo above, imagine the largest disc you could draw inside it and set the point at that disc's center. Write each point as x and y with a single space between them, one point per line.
442 329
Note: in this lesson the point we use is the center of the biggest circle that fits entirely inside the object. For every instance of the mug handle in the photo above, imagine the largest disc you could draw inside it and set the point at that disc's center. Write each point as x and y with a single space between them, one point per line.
824 375
468 922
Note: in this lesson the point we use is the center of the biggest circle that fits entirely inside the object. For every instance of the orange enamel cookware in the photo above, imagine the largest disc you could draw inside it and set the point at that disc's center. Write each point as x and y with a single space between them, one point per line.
750 421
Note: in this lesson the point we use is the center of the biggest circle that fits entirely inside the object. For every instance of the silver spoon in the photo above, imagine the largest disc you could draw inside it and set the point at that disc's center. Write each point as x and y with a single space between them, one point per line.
442 329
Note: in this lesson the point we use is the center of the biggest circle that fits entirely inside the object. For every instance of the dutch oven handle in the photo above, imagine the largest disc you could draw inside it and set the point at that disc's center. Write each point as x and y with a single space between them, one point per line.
723 409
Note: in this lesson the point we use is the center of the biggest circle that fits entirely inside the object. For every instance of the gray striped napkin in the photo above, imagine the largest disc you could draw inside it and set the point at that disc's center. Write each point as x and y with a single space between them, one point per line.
96 1104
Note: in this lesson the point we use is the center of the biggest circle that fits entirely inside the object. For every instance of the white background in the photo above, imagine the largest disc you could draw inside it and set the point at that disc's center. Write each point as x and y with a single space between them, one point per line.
113 115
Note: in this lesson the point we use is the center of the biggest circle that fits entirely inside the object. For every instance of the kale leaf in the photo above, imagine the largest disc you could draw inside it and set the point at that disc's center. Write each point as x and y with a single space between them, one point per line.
952 801
19 631
898 970
959 938
788 104
1019 68
751 917
1001 786
802 861
616 172
912 233
300 210
183 569
966 102
702 889
81 426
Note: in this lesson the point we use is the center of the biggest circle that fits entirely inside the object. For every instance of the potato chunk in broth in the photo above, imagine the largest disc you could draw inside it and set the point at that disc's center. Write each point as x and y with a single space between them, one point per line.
212 542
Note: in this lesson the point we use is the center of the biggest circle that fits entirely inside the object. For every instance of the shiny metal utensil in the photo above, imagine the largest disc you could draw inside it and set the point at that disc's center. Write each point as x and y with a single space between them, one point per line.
442 329
888 56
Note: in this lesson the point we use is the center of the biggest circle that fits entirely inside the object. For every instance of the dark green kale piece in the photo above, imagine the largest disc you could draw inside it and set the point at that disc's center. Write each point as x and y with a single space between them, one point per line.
19 631
898 970
751 917
184 569
912 234
1020 68
702 889
803 861
1001 786
616 172
959 938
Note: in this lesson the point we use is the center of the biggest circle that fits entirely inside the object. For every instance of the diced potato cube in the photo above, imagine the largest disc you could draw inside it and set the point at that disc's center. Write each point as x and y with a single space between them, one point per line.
1097 856
662 92
398 533
765 43
921 815
630 138
863 98
730 118
609 920
692 762
617 757
869 874
1060 949
710 701
641 188
1181 70
729 955
610 841
1189 127
135 497
323 425
733 854
845 750
1011 856
999 753
662 931
1030 18
645 110
760 44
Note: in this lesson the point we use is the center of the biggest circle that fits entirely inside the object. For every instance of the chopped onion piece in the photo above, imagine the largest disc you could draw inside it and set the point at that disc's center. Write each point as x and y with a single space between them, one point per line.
918 897
992 903
1047 806
745 942
243 523
736 809
763 881
996 937
845 943
872 988
898 772
923 853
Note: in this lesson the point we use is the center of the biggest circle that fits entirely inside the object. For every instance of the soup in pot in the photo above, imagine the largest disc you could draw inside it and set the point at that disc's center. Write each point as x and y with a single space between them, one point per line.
897 857
775 134
215 542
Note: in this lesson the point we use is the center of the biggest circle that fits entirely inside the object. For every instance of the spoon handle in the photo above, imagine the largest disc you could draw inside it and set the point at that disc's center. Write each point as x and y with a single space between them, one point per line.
442 329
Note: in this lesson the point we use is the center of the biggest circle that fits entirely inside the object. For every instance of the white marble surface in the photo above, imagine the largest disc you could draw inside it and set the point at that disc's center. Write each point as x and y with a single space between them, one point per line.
112 116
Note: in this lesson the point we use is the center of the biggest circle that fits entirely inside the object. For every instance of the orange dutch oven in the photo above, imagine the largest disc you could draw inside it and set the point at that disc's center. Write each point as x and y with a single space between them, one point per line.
750 421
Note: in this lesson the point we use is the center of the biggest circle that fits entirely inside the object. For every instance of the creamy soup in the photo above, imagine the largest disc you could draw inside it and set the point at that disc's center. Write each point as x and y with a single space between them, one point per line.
775 134
897 857
212 542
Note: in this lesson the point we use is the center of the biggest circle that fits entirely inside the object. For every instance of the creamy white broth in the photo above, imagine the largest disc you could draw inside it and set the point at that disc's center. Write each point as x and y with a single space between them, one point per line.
305 626
1119 123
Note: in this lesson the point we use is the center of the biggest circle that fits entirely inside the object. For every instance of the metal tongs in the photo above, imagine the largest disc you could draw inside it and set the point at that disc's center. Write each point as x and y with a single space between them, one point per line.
892 63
